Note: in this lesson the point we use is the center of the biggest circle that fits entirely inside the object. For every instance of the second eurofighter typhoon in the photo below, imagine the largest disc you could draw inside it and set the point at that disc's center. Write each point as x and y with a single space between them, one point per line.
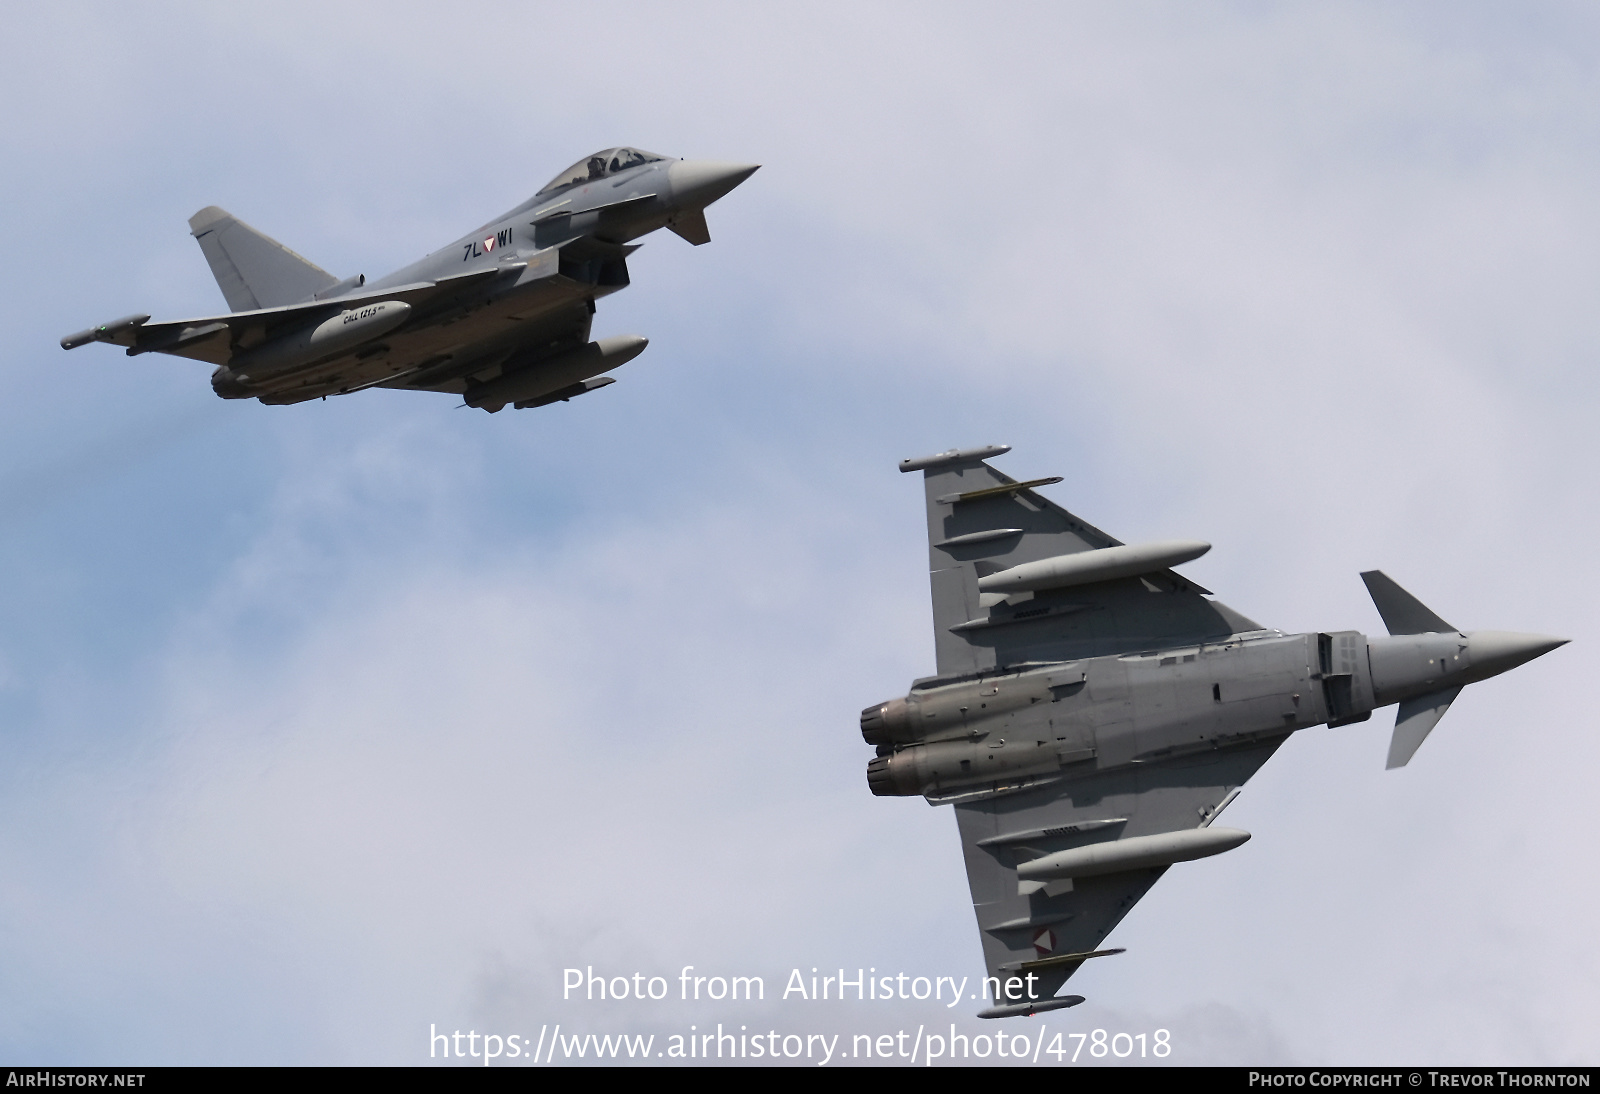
1094 712
499 316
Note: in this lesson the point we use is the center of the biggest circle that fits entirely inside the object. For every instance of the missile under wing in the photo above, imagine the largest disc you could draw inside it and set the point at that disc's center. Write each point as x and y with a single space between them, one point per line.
1094 712
500 316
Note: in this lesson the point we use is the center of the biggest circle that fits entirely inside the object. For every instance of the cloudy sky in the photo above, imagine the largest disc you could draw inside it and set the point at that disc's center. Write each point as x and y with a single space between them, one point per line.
321 726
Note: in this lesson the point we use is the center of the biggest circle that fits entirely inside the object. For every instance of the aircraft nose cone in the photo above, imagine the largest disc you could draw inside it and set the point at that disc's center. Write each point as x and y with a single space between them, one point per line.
697 183
1494 652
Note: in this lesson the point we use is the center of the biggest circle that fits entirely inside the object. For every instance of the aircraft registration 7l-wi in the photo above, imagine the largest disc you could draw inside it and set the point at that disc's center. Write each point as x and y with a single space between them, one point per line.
500 316
1094 712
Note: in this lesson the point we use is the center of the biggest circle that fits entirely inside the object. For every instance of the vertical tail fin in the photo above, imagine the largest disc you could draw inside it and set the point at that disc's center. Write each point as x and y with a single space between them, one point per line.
254 270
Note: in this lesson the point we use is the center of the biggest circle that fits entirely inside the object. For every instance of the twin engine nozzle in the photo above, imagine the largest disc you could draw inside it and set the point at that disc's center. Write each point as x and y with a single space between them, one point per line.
887 723
959 734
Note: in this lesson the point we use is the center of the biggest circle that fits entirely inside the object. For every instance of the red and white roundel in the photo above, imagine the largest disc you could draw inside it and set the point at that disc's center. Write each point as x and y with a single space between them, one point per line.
1044 941
488 244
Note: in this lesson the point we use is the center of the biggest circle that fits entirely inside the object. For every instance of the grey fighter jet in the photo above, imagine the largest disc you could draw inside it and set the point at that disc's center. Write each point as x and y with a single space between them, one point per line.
499 316
1094 712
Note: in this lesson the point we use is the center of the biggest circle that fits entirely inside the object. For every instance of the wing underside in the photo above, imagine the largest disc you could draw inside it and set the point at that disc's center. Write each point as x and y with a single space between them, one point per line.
982 523
1040 932
539 339
469 328
460 331
448 369
216 338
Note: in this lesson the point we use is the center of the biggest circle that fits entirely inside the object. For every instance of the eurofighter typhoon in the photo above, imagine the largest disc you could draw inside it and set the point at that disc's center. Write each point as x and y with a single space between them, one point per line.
1094 712
499 316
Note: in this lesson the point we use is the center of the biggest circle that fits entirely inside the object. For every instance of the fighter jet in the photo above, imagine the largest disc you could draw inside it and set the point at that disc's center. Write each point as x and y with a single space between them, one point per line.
1094 712
499 316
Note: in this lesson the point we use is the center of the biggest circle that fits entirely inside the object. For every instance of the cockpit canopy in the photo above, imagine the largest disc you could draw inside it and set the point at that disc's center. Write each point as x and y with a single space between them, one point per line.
592 168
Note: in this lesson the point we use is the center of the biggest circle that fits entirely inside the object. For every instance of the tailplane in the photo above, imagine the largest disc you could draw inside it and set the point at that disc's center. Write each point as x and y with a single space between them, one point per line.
254 270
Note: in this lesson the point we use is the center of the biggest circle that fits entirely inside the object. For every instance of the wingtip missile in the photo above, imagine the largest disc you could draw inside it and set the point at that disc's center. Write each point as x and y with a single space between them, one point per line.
105 332
954 456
